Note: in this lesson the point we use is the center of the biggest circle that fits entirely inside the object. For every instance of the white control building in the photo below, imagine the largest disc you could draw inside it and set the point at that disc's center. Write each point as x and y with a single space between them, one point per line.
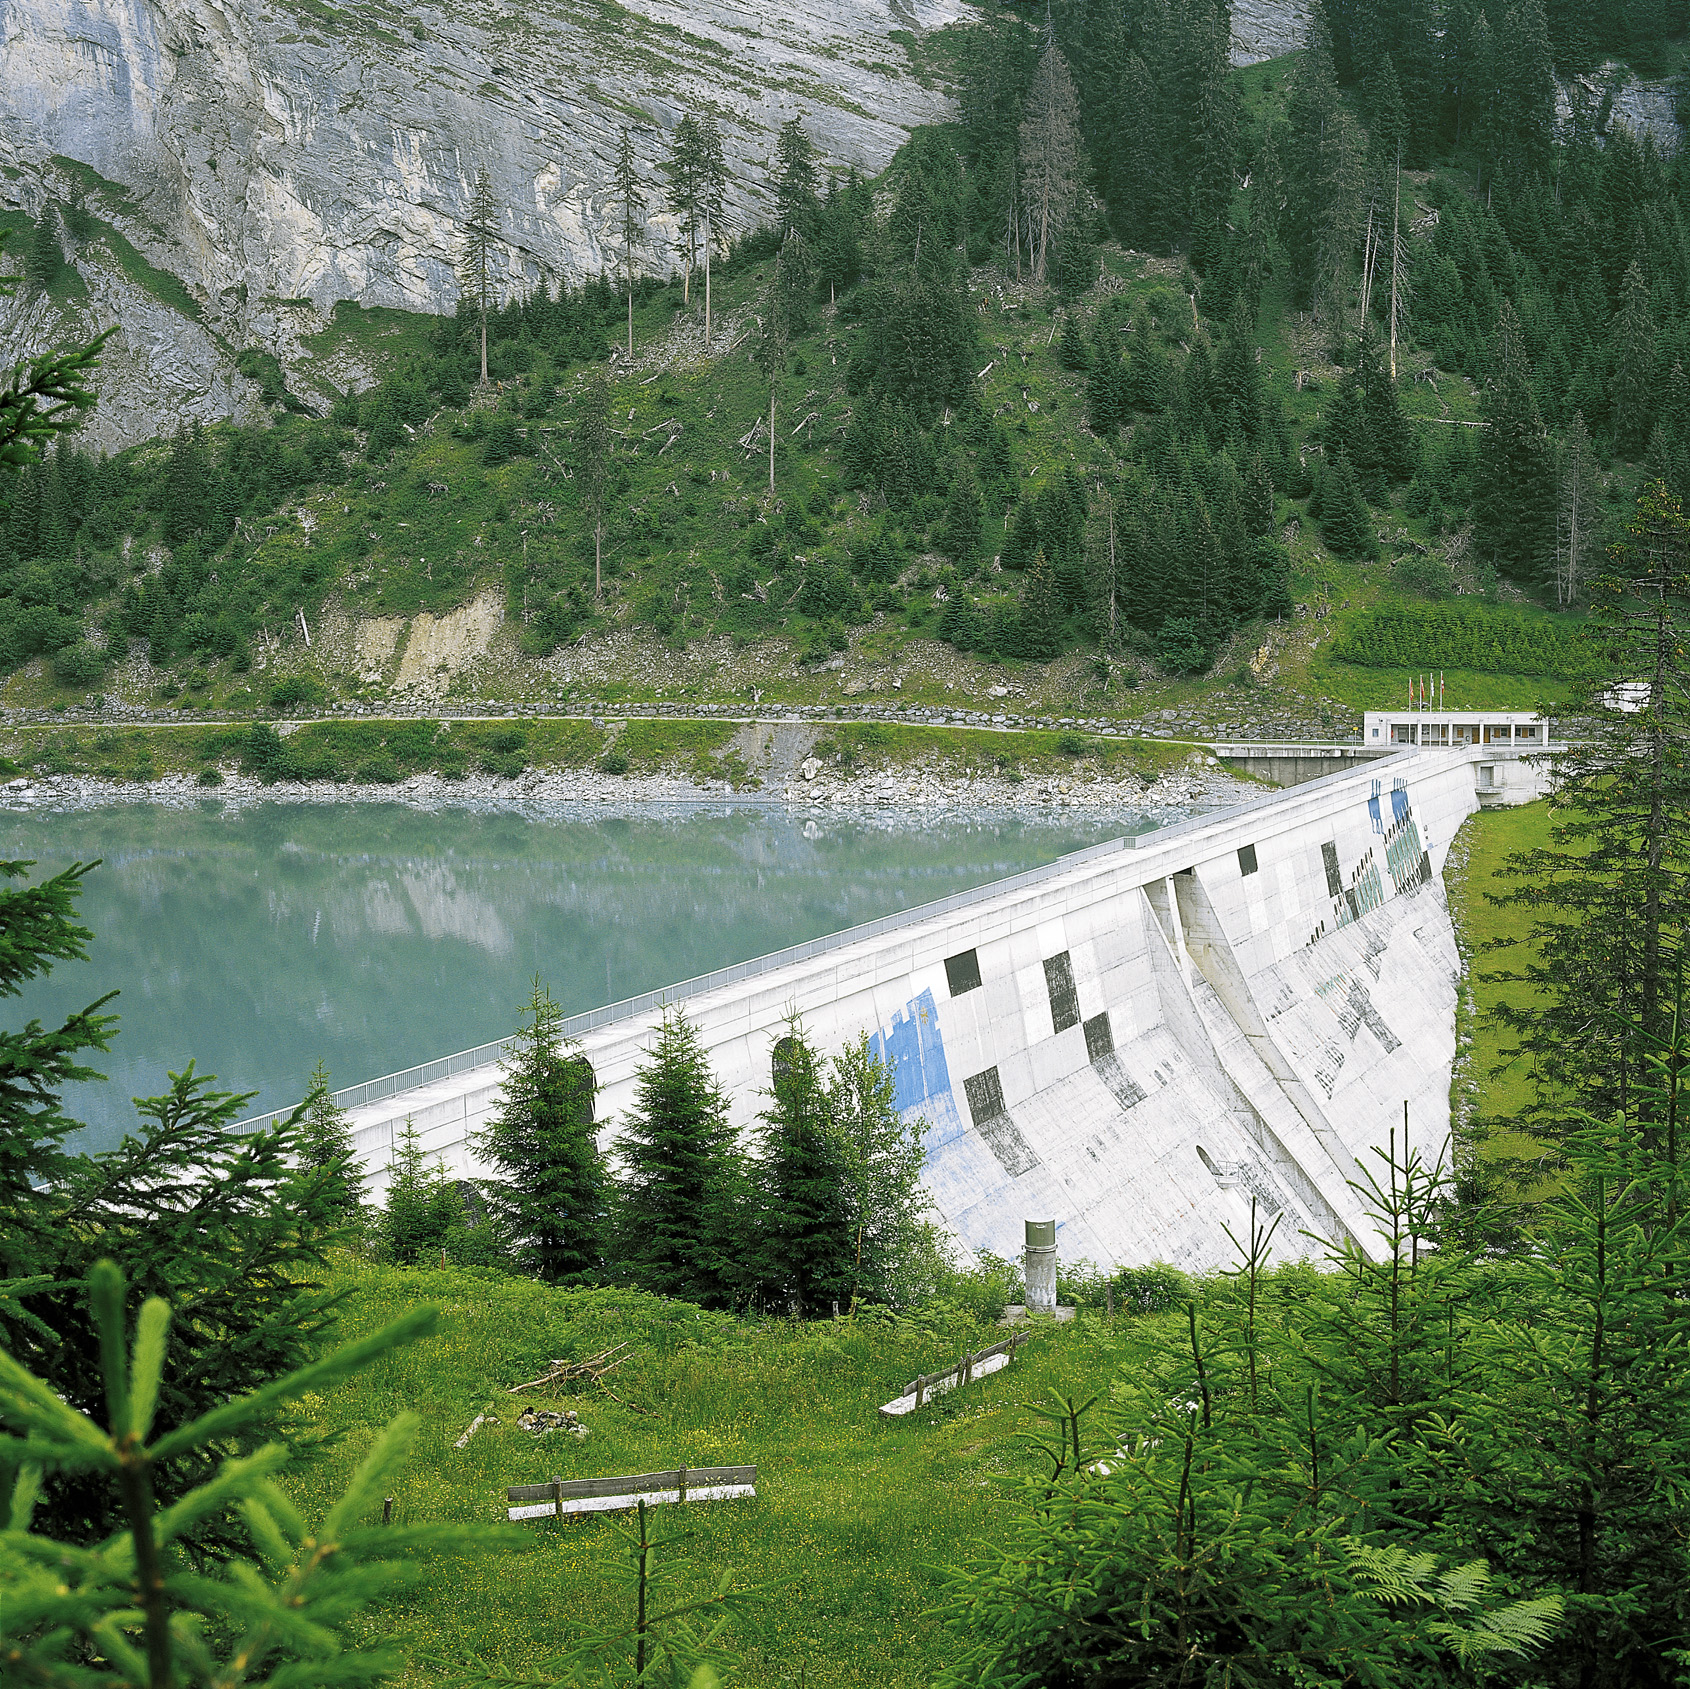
1511 737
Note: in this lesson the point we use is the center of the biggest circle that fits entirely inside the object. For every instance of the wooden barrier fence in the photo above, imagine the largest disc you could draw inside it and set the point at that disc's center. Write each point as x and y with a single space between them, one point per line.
599 1495
964 1372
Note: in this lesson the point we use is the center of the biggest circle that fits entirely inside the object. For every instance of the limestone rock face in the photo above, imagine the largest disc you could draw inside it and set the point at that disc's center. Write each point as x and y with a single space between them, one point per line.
278 156
300 149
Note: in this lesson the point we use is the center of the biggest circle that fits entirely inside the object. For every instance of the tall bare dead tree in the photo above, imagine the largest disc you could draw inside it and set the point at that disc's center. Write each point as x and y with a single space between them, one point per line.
1578 519
1050 153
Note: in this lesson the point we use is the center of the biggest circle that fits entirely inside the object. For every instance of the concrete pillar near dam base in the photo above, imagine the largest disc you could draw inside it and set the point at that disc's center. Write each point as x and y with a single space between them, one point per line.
1041 1266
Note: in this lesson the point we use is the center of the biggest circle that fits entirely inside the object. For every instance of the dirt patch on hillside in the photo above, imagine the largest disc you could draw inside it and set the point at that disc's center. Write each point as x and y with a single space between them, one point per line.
375 646
441 646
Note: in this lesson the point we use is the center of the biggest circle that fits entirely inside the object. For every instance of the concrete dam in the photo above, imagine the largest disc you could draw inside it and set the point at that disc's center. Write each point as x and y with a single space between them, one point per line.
1135 1040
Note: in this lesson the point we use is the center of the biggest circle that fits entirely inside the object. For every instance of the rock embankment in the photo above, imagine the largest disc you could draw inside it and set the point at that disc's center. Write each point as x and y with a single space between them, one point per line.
931 796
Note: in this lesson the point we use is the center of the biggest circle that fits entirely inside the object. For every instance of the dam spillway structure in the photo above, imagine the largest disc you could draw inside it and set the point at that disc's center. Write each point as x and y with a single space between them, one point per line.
1135 1040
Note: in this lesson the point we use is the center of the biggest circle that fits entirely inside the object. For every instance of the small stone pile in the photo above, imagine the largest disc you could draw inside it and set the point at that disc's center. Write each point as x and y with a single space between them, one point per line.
538 1421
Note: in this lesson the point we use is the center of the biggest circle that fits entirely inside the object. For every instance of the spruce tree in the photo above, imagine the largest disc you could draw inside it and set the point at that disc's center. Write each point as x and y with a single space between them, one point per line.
1236 398
184 486
1634 366
326 1145
896 1255
475 254
681 1204
805 1255
960 531
713 188
1609 898
627 180
551 1198
960 624
1579 516
1344 517
795 180
1039 629
1147 371
1514 495
685 169
1107 405
423 1205
1260 506
1071 347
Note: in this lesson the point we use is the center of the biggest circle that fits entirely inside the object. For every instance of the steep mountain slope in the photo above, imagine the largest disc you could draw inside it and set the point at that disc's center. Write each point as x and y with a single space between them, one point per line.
278 157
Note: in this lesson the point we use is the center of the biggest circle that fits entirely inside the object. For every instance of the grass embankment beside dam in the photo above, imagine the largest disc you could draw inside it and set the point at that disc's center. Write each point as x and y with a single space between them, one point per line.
854 1514
1490 1085
386 752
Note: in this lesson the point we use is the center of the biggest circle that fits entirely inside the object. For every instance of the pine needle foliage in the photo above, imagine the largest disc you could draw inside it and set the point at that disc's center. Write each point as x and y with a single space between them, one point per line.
475 255
552 1196
326 1144
804 1246
1245 1515
134 1611
1610 896
422 1205
682 1197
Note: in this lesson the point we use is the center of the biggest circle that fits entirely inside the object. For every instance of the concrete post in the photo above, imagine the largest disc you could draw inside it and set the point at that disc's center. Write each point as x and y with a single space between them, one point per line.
1041 1266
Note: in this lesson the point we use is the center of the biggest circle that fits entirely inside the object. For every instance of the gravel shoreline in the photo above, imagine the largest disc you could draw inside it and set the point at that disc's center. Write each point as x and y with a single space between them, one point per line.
907 795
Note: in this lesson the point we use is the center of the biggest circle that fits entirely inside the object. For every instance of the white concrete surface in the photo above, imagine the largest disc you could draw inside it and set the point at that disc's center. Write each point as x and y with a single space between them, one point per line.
1245 1005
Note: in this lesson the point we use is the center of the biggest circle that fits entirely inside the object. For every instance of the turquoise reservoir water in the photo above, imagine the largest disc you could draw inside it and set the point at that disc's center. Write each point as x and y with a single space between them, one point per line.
374 936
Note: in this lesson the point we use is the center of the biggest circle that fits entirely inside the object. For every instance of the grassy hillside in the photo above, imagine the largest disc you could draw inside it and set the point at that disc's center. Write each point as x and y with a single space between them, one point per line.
1490 1085
855 1515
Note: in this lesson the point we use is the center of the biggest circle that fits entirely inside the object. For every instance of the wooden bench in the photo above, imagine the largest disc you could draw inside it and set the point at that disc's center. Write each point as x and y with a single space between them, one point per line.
981 1364
602 1495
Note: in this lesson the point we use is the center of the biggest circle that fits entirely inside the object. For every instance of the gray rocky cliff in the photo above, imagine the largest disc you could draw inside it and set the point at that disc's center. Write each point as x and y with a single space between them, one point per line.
280 157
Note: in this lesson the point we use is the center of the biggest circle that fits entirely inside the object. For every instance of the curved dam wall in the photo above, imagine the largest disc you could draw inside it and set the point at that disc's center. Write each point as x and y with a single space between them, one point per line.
1134 1041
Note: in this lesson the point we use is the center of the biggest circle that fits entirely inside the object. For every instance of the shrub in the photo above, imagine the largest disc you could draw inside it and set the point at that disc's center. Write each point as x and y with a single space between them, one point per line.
1071 744
79 665
1429 576
208 777
613 762
1464 636
293 689
1181 648
1151 1290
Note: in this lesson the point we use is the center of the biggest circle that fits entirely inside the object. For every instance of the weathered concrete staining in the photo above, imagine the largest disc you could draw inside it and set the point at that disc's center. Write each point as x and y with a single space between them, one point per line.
1135 1044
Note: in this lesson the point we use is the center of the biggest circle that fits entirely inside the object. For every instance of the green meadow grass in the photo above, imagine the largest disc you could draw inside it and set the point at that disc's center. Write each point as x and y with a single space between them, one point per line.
854 1518
1497 1087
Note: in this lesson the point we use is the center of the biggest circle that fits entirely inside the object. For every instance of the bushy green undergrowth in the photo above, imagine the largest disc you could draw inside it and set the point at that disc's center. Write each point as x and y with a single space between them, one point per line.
1491 1087
384 751
1464 636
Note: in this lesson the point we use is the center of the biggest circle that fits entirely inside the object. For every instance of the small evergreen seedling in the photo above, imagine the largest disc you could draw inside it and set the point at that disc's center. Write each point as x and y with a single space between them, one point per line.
135 1612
